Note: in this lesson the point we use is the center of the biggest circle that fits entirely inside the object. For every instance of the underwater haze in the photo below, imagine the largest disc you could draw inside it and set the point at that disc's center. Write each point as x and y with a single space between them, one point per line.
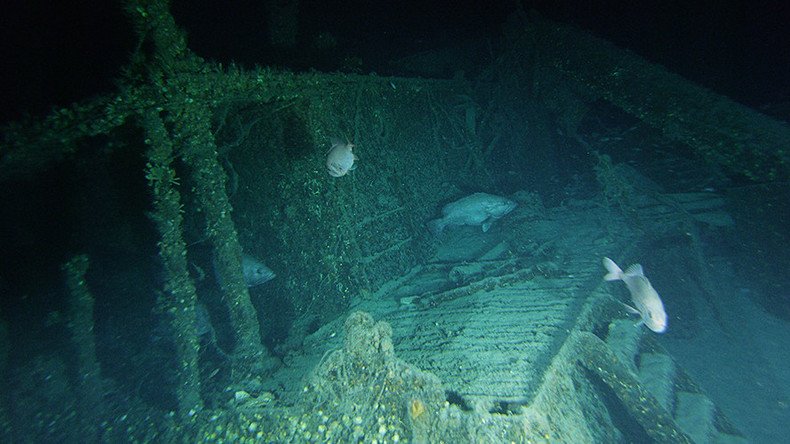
387 222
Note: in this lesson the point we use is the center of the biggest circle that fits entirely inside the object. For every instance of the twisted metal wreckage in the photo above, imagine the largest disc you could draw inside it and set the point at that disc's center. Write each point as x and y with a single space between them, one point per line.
173 97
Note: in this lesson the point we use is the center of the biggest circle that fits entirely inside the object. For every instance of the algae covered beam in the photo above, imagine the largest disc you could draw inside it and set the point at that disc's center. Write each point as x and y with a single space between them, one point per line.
81 326
179 299
716 128
199 152
593 354
189 120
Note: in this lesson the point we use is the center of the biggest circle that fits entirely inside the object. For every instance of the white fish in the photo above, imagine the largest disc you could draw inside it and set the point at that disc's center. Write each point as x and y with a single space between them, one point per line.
647 303
340 158
476 209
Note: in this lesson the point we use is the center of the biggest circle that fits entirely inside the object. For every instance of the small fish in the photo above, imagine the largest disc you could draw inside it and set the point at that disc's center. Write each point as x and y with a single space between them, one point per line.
254 271
340 158
476 209
647 303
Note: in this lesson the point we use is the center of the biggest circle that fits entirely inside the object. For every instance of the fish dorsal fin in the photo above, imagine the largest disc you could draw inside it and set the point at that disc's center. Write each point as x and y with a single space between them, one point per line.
335 142
631 309
634 270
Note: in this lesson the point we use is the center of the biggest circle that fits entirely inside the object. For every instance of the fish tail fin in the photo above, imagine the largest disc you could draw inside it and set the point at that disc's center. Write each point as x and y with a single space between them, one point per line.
436 226
614 272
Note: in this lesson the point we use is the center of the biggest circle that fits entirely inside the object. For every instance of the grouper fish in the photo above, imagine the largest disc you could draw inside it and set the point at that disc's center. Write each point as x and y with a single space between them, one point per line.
340 158
647 303
476 209
254 271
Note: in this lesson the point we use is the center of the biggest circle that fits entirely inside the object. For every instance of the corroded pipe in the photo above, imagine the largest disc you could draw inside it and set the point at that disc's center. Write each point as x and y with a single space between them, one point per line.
179 299
81 327
200 154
